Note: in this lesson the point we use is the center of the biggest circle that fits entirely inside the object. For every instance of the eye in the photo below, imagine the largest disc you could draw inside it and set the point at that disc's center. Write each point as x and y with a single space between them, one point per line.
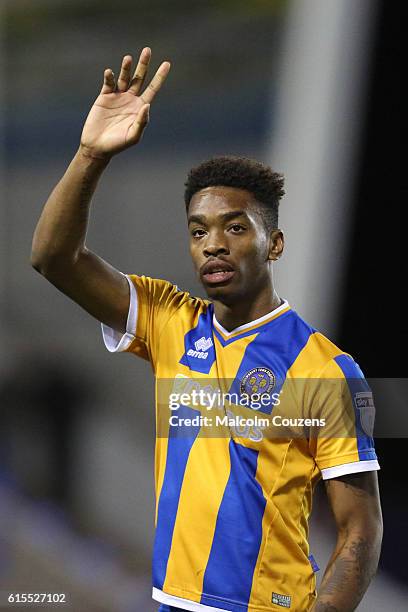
237 228
197 233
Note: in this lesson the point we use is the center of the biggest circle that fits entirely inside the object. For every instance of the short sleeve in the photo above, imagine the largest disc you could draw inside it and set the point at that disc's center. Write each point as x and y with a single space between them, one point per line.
344 403
152 304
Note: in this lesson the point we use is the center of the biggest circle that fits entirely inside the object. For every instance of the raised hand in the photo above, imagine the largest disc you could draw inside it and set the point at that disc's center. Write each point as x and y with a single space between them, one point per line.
120 113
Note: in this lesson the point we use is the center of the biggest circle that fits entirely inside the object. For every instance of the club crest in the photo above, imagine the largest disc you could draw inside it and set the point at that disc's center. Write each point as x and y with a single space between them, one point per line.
258 380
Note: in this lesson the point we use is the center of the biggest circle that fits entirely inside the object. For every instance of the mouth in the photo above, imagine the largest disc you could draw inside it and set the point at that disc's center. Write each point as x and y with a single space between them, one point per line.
217 272
215 278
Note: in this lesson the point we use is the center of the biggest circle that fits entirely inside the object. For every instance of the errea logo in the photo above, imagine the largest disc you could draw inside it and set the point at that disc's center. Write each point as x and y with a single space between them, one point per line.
203 344
201 348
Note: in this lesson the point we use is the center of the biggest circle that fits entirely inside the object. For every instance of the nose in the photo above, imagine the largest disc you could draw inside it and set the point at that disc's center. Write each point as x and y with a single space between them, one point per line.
215 245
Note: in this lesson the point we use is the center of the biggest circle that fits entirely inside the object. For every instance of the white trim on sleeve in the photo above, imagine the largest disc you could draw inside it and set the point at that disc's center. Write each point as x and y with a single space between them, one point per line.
350 468
114 341
185 604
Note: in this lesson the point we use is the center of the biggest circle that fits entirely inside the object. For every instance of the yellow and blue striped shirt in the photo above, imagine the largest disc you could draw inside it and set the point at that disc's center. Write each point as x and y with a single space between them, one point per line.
232 510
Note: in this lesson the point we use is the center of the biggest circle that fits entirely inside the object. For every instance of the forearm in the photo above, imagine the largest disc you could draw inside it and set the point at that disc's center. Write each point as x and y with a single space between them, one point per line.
349 572
61 230
115 122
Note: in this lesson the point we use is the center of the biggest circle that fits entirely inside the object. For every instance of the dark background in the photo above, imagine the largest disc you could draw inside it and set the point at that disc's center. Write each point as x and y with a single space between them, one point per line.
373 324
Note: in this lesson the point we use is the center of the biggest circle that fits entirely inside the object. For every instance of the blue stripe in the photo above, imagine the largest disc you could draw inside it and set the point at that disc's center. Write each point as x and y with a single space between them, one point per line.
204 328
276 347
237 536
179 445
357 384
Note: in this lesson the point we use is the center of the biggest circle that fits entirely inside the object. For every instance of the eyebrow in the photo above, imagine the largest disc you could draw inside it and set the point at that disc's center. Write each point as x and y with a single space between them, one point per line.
232 214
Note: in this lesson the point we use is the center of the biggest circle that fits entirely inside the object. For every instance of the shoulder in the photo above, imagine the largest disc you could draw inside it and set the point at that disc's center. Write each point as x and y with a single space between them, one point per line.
164 294
320 356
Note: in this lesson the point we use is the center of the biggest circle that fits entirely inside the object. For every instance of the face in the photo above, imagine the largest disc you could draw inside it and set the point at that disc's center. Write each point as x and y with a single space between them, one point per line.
229 244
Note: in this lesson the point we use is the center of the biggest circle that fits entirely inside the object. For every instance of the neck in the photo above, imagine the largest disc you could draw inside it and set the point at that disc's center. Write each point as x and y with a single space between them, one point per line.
231 316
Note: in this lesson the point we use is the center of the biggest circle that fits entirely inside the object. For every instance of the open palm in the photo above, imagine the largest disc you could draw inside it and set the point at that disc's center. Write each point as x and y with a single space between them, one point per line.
120 113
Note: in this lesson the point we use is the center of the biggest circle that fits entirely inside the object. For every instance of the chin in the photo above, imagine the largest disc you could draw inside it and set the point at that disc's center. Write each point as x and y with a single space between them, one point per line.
224 294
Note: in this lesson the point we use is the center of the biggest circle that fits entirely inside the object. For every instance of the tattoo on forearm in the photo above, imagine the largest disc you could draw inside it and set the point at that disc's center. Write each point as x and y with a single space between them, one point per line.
355 559
355 565
360 549
342 570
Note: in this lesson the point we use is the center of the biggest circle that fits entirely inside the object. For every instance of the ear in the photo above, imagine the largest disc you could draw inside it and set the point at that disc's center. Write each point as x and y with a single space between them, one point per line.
276 244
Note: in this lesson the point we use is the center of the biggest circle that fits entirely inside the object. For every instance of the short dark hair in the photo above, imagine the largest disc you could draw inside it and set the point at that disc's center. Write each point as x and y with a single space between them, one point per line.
243 173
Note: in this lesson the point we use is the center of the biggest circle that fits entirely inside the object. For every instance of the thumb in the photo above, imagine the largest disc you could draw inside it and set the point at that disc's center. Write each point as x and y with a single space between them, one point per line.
138 126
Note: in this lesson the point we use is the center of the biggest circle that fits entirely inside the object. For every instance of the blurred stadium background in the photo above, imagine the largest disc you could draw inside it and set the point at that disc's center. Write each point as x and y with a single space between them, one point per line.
313 87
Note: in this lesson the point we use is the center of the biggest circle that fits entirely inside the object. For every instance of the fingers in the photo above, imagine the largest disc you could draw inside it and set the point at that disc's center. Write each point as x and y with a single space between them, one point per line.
141 70
156 82
137 128
124 75
108 82
134 84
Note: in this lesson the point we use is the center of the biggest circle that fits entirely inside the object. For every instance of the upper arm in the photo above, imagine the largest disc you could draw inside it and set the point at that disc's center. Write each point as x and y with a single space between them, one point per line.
152 304
355 502
96 286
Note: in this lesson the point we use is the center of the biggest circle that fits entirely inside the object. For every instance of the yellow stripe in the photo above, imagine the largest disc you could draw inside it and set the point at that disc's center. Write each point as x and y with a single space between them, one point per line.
205 479
333 450
313 357
270 461
282 565
231 358
162 389
339 414
159 469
